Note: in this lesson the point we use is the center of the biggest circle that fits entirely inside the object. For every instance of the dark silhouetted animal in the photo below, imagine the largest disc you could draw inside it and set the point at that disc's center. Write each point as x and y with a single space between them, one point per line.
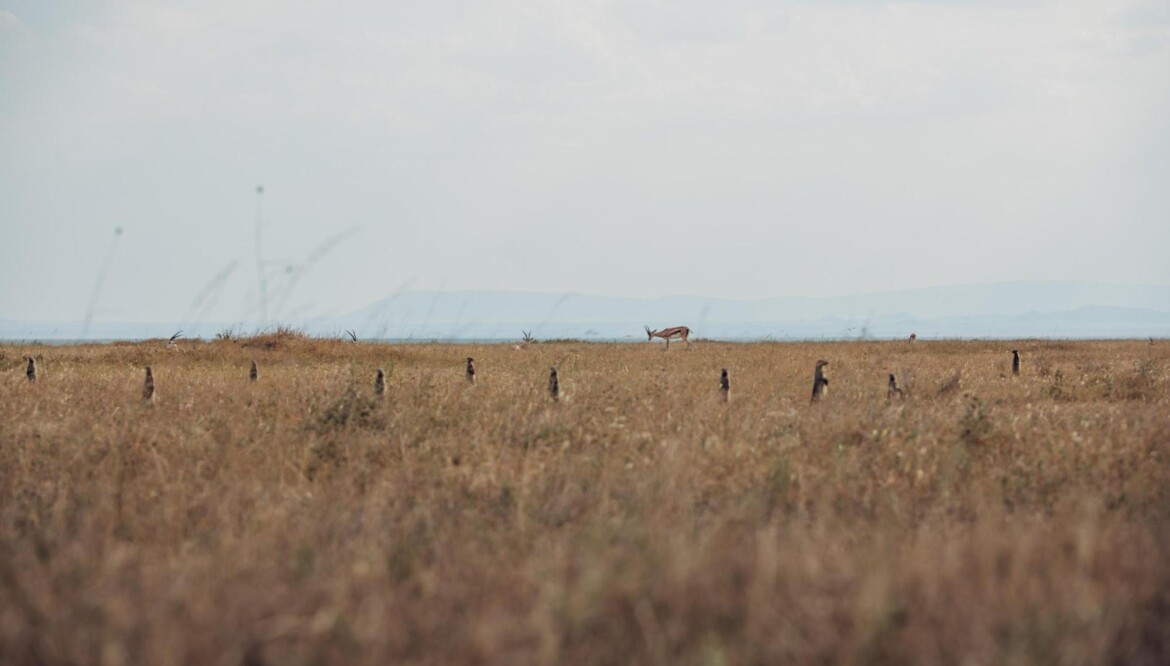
820 381
148 387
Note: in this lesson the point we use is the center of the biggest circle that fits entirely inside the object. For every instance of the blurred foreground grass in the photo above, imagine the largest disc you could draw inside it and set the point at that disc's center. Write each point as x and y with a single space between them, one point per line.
299 520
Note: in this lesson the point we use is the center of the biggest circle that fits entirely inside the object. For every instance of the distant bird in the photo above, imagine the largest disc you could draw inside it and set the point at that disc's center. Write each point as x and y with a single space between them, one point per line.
913 337
254 372
1015 362
148 387
470 370
380 383
554 386
31 372
820 381
724 385
893 391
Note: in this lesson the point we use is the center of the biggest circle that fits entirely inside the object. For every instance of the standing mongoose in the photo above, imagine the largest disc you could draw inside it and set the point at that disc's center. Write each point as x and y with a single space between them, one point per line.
554 385
1015 362
148 387
470 370
31 373
380 383
724 385
893 391
820 381
254 372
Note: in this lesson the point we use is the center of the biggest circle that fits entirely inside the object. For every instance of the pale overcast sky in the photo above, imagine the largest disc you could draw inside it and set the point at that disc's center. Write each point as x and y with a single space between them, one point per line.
740 149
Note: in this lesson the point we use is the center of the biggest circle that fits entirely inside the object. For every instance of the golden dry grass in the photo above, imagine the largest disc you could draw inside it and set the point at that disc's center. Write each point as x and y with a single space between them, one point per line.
299 520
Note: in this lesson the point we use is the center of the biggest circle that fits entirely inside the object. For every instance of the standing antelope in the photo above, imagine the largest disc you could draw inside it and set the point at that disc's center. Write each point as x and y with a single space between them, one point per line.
913 337
820 381
680 332
725 385
554 385
31 373
470 372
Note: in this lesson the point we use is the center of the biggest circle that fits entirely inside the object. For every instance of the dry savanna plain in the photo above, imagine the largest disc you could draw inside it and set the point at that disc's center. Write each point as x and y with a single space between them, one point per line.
981 518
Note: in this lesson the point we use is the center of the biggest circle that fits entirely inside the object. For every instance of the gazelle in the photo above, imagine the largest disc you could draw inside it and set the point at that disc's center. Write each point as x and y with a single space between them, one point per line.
680 332
528 339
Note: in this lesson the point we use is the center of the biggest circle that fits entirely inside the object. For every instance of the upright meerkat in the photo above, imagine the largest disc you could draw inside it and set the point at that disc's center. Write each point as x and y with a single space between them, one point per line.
148 387
1015 362
31 372
254 371
724 385
893 391
380 383
554 385
470 372
820 381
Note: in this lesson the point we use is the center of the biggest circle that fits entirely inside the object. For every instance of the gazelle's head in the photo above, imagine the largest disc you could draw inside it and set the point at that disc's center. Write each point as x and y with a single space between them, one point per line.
649 333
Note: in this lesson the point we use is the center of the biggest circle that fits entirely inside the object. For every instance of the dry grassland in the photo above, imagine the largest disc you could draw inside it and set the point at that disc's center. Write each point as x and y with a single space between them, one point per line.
982 519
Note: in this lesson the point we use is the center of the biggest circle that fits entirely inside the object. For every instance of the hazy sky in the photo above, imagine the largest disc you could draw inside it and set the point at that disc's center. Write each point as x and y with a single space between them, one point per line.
736 148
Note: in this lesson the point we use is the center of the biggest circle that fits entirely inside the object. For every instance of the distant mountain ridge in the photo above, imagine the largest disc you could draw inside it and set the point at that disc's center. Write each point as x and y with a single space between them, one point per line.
998 299
1002 310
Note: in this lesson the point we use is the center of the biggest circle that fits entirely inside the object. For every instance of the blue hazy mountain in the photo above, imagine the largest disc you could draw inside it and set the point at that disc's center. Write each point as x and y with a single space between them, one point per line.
1001 310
